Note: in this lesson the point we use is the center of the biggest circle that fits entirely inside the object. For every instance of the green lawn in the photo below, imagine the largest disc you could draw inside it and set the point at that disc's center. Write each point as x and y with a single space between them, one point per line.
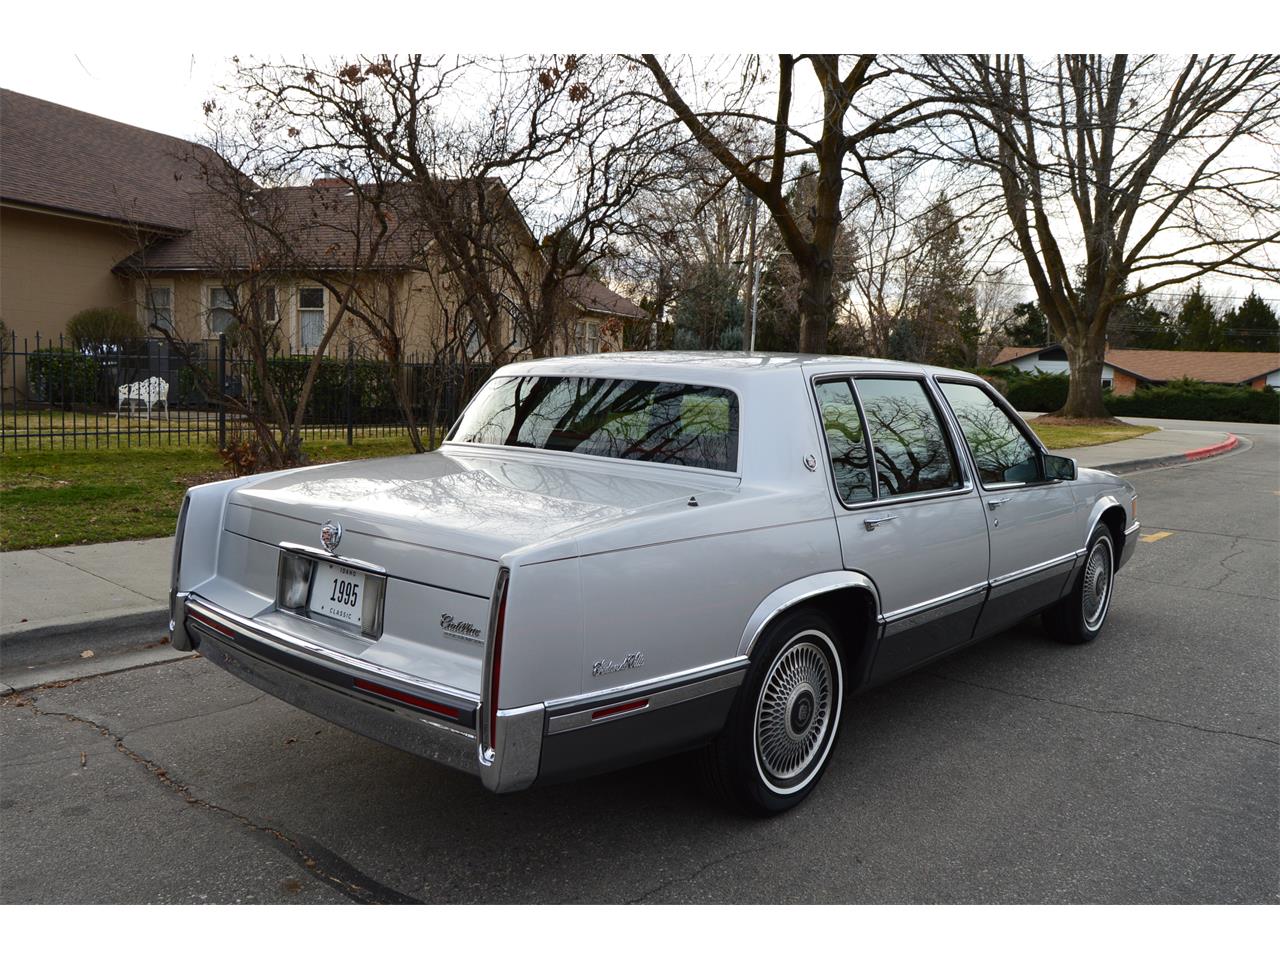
1061 437
56 497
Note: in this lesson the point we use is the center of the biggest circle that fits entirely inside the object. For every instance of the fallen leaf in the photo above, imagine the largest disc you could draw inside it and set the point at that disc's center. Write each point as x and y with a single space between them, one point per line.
289 740
86 654
84 759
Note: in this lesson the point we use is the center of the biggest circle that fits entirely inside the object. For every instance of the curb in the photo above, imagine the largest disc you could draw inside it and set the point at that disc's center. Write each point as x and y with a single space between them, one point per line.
64 640
1176 459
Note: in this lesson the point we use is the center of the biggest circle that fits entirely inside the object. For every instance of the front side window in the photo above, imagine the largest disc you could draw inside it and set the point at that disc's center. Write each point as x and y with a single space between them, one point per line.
911 453
676 423
846 441
311 316
1000 450
221 310
158 308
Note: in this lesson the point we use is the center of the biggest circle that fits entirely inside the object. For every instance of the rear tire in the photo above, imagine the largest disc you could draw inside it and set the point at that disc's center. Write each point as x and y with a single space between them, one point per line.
1079 616
776 744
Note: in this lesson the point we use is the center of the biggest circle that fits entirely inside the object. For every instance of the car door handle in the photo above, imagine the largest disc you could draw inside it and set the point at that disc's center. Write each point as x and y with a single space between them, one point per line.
997 501
872 522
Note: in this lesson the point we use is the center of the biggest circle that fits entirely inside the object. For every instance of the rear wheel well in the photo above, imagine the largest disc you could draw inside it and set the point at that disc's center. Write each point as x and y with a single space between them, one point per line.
852 611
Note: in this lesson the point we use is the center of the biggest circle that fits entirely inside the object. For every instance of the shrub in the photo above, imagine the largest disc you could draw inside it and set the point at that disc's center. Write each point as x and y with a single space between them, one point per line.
1039 392
99 328
371 391
62 375
1194 400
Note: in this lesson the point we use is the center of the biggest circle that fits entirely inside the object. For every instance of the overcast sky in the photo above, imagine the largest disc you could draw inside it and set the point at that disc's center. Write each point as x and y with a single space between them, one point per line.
164 91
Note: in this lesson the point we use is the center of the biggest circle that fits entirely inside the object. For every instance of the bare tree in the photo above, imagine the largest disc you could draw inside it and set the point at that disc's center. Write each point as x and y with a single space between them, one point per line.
1119 168
522 172
849 129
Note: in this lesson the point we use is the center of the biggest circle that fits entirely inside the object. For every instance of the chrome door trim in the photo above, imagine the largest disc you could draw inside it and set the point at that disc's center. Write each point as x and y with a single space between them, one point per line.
667 697
918 608
1034 569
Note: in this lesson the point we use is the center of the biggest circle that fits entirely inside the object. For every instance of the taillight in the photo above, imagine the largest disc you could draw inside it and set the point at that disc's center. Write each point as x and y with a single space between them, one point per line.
495 661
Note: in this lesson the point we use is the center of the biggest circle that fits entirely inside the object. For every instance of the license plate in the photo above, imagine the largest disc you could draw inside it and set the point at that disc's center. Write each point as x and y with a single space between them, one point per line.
338 592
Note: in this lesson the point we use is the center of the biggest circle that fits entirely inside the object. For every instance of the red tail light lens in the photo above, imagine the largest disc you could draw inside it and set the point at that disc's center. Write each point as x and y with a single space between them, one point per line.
495 663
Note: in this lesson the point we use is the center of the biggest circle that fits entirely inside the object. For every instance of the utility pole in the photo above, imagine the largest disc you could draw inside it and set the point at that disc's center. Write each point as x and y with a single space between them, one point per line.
753 274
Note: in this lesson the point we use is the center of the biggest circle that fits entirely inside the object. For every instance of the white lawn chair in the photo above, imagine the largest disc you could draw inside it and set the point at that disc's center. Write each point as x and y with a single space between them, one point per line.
150 392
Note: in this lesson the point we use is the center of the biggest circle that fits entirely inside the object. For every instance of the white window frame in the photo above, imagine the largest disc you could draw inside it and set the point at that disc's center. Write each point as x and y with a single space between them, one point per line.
297 313
209 308
586 333
144 305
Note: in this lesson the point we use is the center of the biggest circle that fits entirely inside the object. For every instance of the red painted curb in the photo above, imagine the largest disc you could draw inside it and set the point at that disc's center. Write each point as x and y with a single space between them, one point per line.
1228 444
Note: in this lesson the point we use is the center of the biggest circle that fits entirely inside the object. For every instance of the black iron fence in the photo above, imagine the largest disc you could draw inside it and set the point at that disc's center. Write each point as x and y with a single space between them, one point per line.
152 392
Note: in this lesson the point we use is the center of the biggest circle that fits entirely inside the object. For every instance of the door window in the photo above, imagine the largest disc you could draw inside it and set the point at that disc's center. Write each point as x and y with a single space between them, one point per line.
911 452
846 441
1000 450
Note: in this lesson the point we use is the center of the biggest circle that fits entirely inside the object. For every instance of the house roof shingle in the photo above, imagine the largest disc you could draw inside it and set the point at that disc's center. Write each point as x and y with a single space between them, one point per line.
1161 366
62 159
594 297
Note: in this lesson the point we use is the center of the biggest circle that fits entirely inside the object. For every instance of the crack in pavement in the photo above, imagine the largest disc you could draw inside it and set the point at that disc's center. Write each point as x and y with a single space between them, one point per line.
697 873
1099 710
319 861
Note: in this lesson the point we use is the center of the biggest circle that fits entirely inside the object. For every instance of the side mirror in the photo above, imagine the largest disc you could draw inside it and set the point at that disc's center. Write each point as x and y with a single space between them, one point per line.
1059 468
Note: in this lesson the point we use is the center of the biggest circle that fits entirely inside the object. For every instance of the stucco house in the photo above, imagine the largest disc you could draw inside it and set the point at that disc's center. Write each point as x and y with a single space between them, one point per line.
1123 371
96 213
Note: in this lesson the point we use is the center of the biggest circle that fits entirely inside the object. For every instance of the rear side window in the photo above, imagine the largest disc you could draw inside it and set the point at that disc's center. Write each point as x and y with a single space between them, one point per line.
846 441
911 452
677 423
1000 450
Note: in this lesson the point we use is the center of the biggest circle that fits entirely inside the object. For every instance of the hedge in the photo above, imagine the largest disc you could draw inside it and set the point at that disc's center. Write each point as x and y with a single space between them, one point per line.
1179 400
62 375
1193 400
370 387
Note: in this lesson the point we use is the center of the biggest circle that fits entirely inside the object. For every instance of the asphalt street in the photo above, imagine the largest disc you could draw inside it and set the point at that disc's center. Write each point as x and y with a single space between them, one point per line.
1142 768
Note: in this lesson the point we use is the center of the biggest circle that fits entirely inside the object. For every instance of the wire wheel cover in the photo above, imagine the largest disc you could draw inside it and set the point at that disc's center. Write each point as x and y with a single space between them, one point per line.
1097 584
794 712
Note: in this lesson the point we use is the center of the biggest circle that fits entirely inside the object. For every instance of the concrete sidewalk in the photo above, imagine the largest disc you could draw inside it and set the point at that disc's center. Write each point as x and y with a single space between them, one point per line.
1151 449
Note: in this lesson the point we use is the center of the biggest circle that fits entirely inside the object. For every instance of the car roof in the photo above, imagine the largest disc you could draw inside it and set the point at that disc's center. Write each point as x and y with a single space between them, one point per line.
722 366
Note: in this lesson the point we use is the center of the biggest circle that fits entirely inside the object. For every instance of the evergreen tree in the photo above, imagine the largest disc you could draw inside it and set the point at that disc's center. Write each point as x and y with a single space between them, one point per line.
1252 326
1197 324
1141 325
709 313
1026 326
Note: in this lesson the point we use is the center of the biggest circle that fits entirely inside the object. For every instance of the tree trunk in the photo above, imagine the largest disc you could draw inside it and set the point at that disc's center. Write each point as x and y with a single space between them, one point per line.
1084 394
816 305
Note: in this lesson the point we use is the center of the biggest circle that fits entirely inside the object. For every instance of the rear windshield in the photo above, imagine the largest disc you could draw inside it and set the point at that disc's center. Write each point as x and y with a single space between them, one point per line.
677 423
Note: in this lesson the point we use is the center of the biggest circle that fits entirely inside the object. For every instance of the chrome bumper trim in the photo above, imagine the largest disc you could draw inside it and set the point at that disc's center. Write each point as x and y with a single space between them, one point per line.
666 697
300 646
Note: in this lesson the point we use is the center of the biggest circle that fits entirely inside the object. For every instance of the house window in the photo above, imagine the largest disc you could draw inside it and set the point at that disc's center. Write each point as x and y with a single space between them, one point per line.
1106 383
311 316
221 314
587 337
157 309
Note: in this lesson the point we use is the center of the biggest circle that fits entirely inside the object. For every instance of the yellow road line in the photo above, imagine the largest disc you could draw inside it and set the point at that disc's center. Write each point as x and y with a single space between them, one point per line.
1158 535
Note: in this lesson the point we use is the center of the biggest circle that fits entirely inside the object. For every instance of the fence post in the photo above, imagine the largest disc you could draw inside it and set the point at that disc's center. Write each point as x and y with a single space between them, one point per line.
351 369
222 391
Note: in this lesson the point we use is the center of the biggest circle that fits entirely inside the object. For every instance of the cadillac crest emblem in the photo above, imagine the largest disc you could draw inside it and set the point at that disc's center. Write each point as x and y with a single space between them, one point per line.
331 535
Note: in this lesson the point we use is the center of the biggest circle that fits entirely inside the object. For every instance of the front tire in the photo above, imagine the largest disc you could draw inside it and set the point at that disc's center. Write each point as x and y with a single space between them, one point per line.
1078 617
783 724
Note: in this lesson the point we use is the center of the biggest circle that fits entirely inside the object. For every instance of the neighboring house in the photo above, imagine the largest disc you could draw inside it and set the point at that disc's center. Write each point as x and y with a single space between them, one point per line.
95 213
603 315
1123 371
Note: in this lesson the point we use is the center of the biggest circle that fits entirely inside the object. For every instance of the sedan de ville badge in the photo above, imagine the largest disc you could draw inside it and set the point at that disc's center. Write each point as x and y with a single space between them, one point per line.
331 535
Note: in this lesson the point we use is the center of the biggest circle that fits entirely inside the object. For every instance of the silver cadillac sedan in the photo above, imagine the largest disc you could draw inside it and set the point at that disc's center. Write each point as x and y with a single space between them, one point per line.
616 557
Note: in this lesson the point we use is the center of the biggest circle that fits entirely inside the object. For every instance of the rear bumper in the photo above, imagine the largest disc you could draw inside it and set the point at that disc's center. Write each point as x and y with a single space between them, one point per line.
539 742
